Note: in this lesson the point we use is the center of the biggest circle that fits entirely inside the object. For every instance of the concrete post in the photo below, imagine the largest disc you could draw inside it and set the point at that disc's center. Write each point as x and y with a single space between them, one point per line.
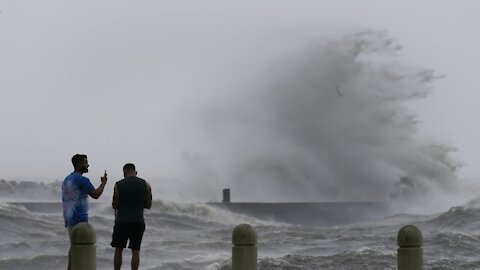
226 195
410 252
244 250
83 251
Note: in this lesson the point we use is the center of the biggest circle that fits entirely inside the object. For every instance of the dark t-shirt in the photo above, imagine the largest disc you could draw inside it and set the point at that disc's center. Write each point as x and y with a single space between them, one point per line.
132 197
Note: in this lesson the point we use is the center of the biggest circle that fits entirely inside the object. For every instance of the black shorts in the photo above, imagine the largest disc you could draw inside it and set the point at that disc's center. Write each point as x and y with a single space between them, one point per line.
124 232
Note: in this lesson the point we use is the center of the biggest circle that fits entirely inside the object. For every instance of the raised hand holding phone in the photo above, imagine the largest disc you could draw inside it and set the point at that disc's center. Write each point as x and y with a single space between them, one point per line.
104 177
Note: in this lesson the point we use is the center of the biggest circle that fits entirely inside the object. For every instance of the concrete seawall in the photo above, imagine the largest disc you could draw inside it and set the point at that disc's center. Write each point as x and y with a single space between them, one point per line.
311 213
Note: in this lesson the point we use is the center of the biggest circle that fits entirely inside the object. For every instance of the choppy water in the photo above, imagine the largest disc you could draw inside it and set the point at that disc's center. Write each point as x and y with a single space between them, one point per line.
183 236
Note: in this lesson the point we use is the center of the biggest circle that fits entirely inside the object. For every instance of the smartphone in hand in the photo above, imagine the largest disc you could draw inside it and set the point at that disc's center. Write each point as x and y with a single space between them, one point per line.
104 177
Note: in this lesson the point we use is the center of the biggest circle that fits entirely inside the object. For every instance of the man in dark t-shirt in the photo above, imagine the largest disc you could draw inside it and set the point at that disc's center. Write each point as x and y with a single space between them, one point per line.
130 196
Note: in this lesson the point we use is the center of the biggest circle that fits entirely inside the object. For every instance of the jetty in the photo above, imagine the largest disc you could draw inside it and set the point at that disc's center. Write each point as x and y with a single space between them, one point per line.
307 213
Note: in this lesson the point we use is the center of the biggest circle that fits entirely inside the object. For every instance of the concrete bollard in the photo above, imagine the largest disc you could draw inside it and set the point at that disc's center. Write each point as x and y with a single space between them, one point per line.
410 252
83 251
244 250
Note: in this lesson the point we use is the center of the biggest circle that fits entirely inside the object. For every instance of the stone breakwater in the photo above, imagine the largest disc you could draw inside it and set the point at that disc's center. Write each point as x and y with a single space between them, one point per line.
311 213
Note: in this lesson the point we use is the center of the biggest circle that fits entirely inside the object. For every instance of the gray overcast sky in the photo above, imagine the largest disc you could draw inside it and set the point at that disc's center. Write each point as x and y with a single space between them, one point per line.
128 81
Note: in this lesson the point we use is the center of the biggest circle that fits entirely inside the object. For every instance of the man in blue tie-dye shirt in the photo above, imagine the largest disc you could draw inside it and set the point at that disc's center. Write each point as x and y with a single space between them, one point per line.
75 191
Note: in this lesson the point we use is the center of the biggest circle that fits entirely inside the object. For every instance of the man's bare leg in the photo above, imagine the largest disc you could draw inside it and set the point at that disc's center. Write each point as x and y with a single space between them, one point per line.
117 259
69 230
135 259
69 267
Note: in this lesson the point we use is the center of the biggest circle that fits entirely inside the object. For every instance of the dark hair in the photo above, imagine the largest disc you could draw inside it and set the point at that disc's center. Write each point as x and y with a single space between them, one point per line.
78 159
129 167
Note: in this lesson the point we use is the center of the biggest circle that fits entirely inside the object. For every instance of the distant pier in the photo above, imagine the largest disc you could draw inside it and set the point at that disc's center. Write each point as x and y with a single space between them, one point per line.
307 213
310 213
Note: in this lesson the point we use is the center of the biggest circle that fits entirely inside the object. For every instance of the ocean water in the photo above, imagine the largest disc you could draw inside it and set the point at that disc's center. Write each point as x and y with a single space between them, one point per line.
193 236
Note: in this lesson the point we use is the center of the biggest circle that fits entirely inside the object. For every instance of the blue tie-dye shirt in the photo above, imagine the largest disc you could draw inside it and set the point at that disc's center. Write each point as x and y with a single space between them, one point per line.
75 190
